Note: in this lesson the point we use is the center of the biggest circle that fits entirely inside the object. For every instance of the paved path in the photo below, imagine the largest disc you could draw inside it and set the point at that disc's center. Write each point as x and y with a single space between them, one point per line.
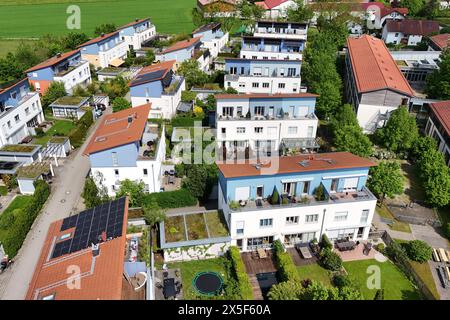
64 200
393 233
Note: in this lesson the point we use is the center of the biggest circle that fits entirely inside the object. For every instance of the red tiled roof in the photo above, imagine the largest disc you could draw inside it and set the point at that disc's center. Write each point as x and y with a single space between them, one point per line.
137 21
52 61
413 27
98 39
269 4
384 11
165 66
282 165
12 84
207 27
264 95
442 41
99 279
182 44
115 129
374 68
442 111
206 2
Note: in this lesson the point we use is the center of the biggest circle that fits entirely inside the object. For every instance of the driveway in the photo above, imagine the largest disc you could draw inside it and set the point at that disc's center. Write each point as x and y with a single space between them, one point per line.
63 201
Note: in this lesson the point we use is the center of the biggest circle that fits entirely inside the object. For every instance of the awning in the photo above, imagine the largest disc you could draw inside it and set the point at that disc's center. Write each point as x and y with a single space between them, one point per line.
116 62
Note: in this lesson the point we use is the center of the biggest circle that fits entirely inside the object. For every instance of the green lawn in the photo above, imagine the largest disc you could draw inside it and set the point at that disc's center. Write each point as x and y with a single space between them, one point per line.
190 268
315 272
7 45
63 127
395 284
33 18
397 225
424 272
19 202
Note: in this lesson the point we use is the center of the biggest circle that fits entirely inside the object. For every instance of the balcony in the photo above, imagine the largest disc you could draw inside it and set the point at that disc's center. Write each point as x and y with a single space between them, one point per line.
150 142
174 86
69 69
280 116
274 74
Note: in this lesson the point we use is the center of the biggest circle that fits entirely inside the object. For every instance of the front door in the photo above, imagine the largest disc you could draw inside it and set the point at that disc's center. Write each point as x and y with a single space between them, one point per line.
334 184
259 191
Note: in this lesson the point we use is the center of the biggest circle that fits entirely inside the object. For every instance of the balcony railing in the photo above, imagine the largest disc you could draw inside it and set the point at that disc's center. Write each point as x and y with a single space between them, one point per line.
283 116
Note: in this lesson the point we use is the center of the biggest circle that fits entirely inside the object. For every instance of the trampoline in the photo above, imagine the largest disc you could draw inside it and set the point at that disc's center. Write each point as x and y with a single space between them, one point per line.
208 283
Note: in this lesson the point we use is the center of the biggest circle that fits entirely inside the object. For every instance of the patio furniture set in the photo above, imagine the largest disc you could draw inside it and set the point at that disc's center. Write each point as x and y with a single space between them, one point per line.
170 286
442 257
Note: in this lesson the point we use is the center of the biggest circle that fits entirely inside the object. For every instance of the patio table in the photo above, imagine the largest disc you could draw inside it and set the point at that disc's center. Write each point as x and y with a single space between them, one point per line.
169 288
262 253
306 254
348 245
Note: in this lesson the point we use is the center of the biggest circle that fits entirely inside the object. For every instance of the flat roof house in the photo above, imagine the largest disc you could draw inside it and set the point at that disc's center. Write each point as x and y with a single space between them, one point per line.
20 112
438 127
68 68
271 48
408 32
137 32
105 50
212 38
281 30
127 146
256 217
159 85
70 107
92 245
374 84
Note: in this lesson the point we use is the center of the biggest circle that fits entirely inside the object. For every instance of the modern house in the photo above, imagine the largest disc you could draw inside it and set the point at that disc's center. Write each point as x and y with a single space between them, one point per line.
408 32
68 68
439 42
438 127
374 84
127 146
250 125
296 199
105 50
20 112
137 32
71 107
276 8
83 258
269 48
263 76
217 8
157 84
180 51
212 38
281 30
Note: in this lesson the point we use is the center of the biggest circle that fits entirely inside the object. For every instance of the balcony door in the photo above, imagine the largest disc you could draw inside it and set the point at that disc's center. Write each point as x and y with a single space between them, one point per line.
260 192
289 188
334 185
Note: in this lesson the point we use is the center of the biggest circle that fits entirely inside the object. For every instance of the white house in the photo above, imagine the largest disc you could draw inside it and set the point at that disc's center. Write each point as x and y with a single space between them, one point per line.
137 32
256 218
269 48
127 146
438 127
408 32
439 42
276 8
212 38
374 84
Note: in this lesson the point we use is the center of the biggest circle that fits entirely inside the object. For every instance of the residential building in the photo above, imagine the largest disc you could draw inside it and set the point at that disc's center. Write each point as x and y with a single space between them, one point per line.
137 32
159 85
105 50
438 127
374 84
68 68
263 76
71 107
276 8
269 48
439 42
217 8
20 112
127 146
256 218
408 32
92 245
212 38
281 30
180 51
249 125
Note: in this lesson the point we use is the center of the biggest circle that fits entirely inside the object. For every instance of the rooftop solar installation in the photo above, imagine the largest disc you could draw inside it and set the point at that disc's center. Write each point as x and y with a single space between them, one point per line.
147 77
89 226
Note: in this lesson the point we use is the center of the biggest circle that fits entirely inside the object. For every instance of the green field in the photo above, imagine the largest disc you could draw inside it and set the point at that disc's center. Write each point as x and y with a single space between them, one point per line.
33 18
10 45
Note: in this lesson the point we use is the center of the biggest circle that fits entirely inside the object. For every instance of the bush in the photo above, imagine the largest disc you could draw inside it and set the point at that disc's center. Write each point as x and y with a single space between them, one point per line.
275 196
341 280
419 251
380 247
325 243
78 133
330 260
39 132
238 267
171 199
447 230
3 190
286 267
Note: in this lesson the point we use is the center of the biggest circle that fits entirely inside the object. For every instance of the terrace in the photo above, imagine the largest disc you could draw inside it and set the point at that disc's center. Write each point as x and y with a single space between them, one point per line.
174 85
150 141
279 116
65 71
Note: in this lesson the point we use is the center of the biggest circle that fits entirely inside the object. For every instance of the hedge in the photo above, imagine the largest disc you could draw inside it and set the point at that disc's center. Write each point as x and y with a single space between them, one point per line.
78 134
243 281
16 234
286 267
3 190
171 199
186 121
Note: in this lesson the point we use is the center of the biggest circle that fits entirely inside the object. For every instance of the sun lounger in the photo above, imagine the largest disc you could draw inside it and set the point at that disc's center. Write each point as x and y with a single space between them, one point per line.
436 256
447 269
305 253
443 255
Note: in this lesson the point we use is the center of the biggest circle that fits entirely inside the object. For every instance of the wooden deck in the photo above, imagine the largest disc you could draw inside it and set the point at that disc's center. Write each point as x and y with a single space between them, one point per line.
256 265
257 293
298 260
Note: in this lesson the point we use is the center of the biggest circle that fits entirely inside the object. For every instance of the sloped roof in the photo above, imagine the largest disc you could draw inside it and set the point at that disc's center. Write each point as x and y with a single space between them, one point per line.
413 27
182 44
270 4
116 129
384 11
264 95
442 111
135 22
206 2
374 68
442 41
207 27
98 39
285 165
152 73
53 60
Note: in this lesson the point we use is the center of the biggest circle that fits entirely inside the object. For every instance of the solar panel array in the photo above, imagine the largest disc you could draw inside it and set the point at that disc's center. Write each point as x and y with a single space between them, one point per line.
89 226
147 77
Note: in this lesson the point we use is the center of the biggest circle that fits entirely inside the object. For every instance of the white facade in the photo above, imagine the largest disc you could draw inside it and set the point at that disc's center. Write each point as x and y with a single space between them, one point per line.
280 10
216 45
261 84
81 75
277 33
397 37
267 54
135 41
433 131
118 51
17 122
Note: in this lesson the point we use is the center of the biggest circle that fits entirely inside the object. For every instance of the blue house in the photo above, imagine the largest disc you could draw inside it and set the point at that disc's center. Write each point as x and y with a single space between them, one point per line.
137 32
180 51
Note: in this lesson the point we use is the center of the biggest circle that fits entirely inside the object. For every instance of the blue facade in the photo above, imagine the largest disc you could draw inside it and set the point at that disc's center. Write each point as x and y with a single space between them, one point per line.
103 45
148 90
50 72
13 95
125 156
272 45
138 27
179 55
267 67
209 34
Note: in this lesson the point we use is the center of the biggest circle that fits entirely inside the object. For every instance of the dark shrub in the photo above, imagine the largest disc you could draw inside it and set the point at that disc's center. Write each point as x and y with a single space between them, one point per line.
330 260
419 251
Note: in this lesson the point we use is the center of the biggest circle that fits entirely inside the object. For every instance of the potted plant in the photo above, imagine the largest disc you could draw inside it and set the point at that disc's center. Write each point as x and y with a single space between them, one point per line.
275 199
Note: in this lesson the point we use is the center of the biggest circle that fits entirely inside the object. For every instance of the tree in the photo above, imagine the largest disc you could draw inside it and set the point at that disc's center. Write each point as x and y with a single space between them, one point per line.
104 28
438 82
352 139
120 103
190 70
318 291
92 195
422 145
330 260
379 295
153 214
134 190
418 250
287 290
350 293
249 13
414 6
400 132
116 87
55 91
345 116
299 12
150 56
73 39
386 179
196 179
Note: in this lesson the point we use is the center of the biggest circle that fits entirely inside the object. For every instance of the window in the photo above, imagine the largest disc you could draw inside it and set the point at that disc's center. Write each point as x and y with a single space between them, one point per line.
292 130
239 227
311 218
49 297
255 85
265 223
145 172
341 216
115 160
257 71
233 70
116 172
292 220
27 110
224 130
289 188
241 84
14 95
292 72
17 118
310 132
240 129
9 124
306 185
281 85
364 216
227 111
258 129
34 75
259 111
265 85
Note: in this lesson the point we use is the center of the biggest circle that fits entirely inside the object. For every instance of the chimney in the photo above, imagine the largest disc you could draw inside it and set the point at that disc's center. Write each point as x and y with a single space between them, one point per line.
58 55
102 35
95 250
130 119
137 19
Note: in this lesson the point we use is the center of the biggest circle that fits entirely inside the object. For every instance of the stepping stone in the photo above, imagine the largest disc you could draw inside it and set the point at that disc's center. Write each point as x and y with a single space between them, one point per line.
380 258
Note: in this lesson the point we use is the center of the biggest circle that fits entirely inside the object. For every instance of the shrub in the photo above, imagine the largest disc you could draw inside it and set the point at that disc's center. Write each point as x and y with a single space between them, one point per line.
319 193
39 132
419 251
379 295
341 280
330 260
285 265
380 247
325 243
275 196
240 274
78 133
3 190
171 199
288 290
447 230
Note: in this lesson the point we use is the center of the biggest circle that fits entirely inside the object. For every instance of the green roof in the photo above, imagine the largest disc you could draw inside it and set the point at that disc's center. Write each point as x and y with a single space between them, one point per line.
69 101
18 148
